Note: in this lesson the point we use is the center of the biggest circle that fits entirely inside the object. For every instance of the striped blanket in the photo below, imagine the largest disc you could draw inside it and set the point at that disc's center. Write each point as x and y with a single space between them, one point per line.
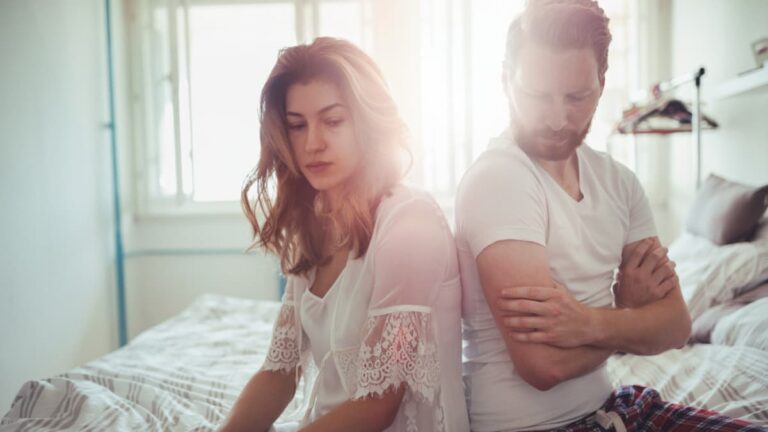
732 380
185 374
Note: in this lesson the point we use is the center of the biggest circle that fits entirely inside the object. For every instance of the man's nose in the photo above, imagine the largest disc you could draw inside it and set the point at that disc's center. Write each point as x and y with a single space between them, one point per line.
557 116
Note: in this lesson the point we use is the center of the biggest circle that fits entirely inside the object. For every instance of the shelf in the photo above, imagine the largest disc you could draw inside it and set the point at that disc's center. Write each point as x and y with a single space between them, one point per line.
662 131
749 81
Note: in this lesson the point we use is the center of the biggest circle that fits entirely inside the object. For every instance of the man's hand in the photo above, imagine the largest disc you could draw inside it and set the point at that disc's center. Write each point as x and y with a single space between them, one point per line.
645 275
548 315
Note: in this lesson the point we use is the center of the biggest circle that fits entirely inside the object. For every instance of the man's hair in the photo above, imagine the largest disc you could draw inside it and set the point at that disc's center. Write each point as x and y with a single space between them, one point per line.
562 24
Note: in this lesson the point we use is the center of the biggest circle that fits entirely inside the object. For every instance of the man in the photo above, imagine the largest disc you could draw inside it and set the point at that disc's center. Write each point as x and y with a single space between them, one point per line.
542 223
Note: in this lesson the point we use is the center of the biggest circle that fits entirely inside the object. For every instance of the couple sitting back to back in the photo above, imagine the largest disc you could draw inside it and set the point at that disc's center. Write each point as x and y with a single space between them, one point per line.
377 286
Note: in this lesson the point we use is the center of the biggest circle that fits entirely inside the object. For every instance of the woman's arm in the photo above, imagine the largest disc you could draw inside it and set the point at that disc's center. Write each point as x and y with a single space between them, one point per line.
372 414
261 402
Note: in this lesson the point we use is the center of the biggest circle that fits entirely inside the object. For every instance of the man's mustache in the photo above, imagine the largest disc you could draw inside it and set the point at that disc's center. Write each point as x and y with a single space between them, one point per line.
551 135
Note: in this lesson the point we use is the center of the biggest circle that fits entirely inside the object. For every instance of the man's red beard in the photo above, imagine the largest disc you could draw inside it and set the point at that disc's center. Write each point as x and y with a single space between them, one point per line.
549 145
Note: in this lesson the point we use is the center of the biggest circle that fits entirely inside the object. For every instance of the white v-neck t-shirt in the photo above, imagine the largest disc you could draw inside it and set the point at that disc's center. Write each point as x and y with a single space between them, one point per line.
506 196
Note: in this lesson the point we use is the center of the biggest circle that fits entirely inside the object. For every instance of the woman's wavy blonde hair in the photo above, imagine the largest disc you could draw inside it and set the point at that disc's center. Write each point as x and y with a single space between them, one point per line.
298 222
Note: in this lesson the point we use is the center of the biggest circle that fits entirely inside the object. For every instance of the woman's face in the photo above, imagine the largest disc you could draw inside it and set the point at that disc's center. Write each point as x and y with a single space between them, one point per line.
322 135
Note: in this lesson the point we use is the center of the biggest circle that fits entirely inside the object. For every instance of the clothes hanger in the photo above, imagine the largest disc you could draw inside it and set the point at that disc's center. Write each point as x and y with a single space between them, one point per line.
641 119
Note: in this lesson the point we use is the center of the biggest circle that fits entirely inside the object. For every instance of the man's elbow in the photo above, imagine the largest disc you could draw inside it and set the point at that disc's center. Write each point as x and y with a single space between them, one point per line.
684 330
681 333
542 377
675 337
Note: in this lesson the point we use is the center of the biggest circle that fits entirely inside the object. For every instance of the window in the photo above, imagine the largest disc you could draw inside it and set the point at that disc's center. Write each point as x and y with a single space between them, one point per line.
463 99
202 68
203 64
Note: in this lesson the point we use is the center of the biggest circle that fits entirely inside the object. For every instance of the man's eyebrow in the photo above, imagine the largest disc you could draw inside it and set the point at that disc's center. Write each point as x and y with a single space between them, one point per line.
583 92
529 90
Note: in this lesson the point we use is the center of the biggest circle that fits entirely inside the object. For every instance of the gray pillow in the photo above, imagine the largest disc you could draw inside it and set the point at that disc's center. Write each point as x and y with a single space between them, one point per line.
726 212
752 294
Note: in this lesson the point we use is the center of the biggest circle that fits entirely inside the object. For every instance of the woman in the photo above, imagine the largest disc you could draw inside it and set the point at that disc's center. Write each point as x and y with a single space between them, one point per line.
373 291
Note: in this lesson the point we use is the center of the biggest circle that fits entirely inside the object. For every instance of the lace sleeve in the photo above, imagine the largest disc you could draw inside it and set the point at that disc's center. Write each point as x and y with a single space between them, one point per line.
284 354
399 348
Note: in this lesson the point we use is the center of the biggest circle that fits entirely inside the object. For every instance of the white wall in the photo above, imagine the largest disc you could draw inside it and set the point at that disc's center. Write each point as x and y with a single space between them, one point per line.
173 260
57 307
717 34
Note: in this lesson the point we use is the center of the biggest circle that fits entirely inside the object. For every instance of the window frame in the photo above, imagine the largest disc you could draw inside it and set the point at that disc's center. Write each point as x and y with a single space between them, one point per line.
148 201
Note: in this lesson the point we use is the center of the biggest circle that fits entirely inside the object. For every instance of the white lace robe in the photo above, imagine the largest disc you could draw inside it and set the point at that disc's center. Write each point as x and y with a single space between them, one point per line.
396 320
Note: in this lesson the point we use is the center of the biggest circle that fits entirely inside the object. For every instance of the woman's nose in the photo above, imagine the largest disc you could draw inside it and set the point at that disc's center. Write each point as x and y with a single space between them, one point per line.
315 141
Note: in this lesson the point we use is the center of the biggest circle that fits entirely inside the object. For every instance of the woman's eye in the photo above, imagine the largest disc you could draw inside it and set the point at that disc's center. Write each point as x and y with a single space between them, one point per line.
334 122
576 99
296 127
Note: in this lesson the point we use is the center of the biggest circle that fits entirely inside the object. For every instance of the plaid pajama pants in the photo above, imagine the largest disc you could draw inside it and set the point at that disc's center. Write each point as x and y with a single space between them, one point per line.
640 409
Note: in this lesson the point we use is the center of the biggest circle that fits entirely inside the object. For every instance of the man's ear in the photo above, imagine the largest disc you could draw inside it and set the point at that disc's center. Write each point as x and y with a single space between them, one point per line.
505 80
506 84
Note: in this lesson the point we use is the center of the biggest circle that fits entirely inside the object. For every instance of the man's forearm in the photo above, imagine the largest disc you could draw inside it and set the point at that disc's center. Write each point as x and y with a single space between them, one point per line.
575 362
646 330
546 366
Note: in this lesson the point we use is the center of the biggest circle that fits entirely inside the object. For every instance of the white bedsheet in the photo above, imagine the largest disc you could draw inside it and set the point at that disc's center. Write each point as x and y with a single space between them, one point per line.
185 374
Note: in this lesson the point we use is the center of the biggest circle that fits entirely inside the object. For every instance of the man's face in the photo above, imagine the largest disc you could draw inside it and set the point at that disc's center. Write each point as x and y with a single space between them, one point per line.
553 96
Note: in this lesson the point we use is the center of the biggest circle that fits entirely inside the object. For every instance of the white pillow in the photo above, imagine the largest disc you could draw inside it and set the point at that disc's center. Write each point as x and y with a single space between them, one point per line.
711 274
747 326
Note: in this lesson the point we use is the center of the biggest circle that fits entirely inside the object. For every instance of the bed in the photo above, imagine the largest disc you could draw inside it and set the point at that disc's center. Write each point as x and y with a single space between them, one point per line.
186 373
182 375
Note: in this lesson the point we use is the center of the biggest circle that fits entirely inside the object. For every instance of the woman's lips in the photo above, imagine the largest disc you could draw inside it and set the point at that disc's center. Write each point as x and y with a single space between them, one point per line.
318 167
